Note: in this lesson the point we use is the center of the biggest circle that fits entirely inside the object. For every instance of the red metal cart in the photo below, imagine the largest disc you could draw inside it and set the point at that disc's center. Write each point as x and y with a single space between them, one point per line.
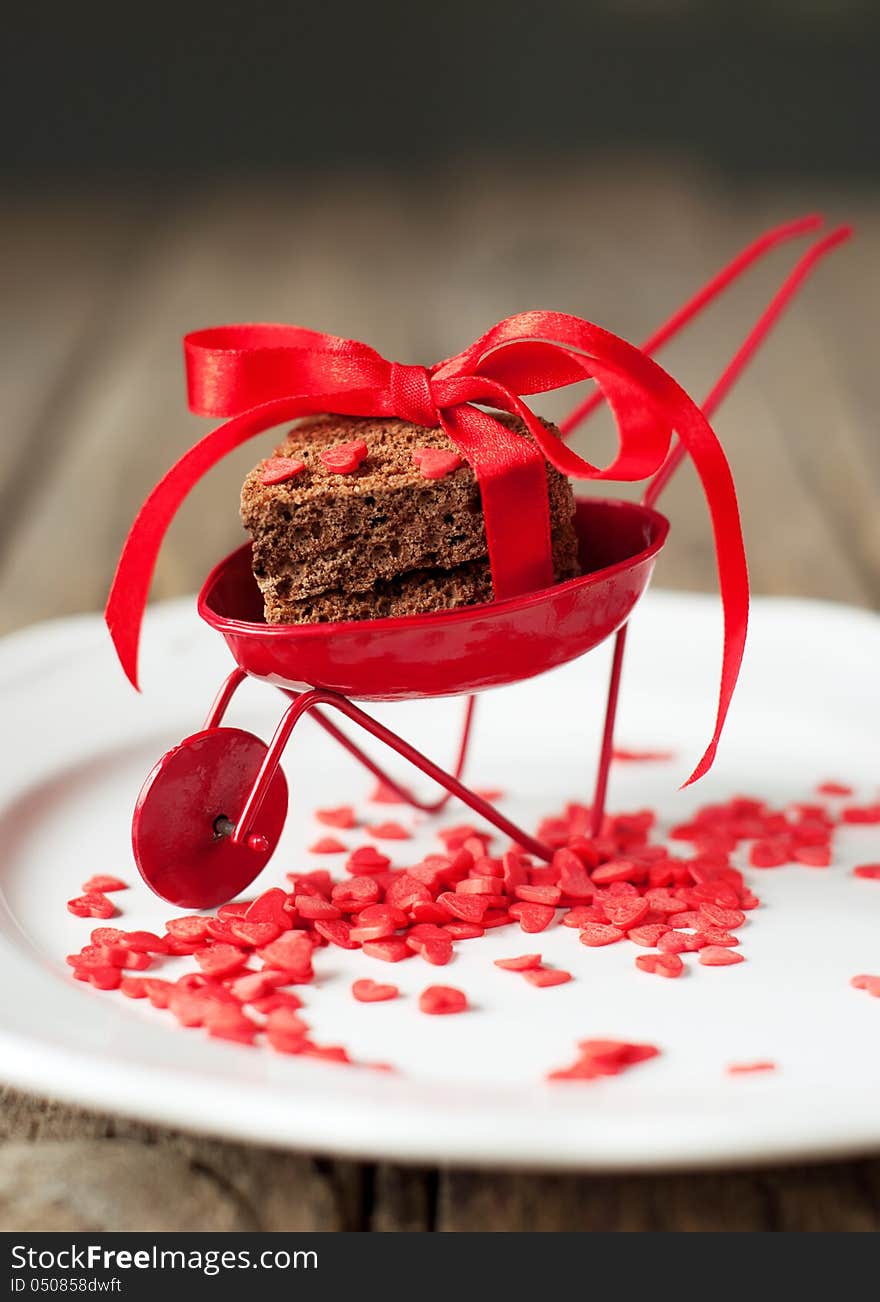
210 814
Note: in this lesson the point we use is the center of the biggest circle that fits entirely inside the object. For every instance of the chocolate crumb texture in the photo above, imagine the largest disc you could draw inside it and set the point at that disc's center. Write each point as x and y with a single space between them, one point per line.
383 540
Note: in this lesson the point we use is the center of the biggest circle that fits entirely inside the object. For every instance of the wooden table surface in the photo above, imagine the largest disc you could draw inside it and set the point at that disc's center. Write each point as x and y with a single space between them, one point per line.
99 288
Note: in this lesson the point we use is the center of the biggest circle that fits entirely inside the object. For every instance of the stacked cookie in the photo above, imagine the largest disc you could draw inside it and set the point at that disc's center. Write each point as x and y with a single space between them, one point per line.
367 518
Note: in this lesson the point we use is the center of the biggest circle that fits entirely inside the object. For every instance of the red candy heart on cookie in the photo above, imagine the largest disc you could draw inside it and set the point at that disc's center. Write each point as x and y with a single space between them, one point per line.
277 470
344 458
436 463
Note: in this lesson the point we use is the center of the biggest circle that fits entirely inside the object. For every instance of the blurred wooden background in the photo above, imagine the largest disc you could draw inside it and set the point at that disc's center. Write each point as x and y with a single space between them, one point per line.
99 286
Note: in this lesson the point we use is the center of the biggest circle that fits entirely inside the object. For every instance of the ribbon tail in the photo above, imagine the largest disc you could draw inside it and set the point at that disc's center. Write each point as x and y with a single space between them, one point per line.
127 601
733 576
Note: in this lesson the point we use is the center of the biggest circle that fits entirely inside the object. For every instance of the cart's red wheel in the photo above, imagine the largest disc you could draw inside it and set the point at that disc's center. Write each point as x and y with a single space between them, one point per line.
187 809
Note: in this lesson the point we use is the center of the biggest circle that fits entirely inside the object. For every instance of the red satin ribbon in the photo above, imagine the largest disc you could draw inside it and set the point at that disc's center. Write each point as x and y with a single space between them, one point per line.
262 375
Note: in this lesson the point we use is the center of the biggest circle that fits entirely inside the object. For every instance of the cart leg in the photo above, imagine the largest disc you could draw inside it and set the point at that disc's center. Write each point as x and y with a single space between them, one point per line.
601 790
308 701
223 697
425 806
237 676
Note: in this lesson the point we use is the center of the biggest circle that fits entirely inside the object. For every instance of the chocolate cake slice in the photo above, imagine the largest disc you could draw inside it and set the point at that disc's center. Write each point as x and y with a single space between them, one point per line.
385 538
413 593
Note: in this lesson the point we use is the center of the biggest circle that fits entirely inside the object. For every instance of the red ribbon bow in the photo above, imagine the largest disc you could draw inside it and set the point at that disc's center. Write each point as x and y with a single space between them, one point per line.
262 375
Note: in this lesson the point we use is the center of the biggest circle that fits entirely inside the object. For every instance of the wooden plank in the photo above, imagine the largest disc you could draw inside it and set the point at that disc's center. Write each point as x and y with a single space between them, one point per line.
59 258
848 321
137 1177
571 1204
835 1197
826 1199
57 1161
402 1199
111 1185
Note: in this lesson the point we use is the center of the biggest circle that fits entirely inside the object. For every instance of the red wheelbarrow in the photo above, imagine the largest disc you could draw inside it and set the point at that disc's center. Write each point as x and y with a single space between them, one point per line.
210 814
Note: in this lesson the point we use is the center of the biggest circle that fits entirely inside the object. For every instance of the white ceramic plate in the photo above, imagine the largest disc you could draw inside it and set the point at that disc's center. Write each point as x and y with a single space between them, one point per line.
78 743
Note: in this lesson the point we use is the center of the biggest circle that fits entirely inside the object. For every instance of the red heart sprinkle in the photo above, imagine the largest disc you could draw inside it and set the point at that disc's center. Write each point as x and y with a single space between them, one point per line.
717 916
103 978
538 894
254 933
345 458
520 964
367 859
142 942
342 817
220 960
292 952
277 470
596 934
649 935
269 907
442 999
191 929
617 870
436 463
545 976
373 992
391 949
664 965
102 883
389 832
464 930
432 950
91 905
532 918
604 1058
834 789
866 814
328 845
681 942
715 956
336 932
625 911
314 907
769 854
865 981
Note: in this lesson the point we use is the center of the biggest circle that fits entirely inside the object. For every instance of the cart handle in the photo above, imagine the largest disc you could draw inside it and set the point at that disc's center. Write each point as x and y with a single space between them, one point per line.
750 345
237 676
741 359
703 297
